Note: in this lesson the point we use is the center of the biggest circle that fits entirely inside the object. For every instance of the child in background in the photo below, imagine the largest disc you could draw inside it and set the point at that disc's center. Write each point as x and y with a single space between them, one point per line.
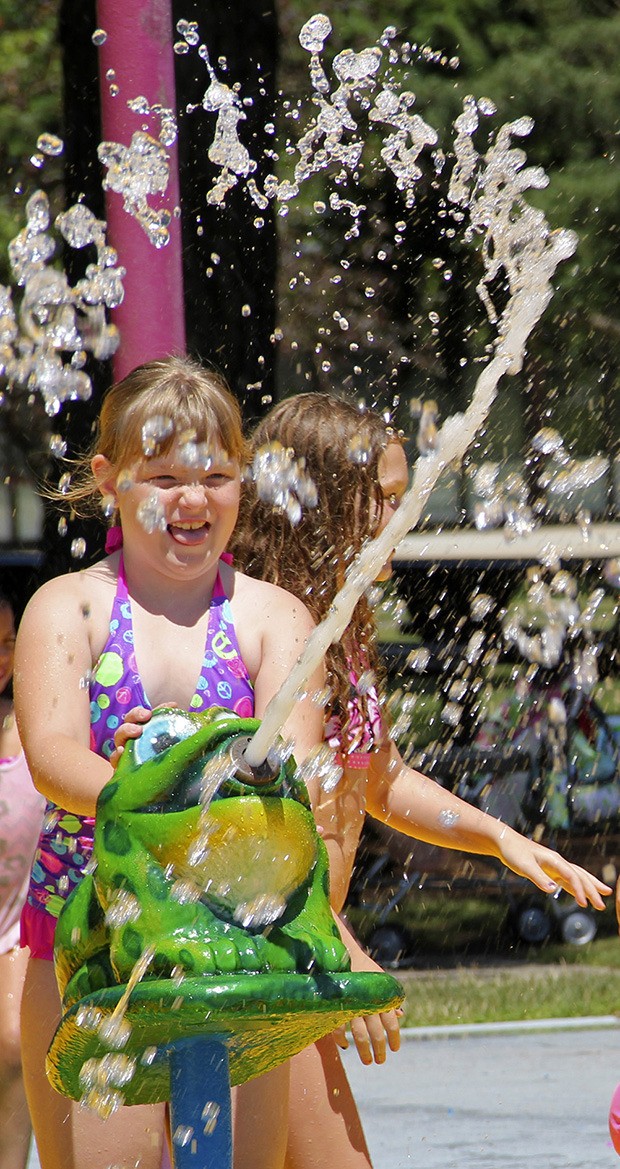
21 813
143 627
359 468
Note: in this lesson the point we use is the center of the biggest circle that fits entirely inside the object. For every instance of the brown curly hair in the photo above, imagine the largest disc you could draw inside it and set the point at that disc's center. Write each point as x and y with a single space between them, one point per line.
310 558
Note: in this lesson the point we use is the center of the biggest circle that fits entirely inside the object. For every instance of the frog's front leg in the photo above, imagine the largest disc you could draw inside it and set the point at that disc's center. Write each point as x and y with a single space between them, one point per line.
80 932
310 925
145 910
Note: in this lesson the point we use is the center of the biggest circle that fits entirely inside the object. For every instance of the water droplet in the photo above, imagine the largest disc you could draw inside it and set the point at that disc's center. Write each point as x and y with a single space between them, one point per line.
155 431
182 1135
58 446
78 548
210 1115
99 37
50 144
314 33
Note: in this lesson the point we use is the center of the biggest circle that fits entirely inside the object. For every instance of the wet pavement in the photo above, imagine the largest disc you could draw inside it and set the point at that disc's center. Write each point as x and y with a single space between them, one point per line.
492 1101
489 1099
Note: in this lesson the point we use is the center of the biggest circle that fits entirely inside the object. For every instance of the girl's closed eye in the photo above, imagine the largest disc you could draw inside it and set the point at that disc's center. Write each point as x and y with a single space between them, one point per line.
162 481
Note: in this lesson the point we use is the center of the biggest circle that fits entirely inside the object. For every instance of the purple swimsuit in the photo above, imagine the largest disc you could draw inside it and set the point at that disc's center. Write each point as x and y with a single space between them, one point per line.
66 840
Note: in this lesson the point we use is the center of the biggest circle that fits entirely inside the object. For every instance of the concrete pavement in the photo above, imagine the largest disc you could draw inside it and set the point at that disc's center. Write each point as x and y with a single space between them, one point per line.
492 1100
478 1098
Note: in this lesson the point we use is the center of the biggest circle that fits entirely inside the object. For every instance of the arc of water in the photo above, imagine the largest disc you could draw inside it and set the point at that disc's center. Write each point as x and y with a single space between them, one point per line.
458 431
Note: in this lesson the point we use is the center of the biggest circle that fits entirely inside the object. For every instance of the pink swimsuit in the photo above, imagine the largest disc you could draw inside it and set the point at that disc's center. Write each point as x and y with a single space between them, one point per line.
66 841
365 734
21 813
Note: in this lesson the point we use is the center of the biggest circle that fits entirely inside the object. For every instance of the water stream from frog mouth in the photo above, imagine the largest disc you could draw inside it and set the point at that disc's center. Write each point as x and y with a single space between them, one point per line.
516 241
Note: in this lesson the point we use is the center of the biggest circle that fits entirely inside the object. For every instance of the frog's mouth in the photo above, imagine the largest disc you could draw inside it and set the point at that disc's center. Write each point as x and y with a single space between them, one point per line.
216 774
186 760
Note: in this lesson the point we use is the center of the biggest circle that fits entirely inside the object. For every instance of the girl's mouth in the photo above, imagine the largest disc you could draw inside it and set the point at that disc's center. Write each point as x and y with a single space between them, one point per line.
189 531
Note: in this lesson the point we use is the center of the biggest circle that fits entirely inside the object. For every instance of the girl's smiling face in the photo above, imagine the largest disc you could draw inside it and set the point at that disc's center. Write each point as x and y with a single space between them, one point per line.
187 512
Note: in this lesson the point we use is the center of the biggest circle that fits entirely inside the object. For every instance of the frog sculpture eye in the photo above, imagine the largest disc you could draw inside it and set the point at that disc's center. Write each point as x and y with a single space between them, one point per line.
163 731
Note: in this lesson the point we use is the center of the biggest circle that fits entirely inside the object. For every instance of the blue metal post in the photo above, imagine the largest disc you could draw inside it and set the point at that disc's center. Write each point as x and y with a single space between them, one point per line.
200 1110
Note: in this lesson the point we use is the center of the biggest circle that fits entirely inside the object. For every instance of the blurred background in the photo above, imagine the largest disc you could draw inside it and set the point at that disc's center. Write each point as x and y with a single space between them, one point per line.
500 627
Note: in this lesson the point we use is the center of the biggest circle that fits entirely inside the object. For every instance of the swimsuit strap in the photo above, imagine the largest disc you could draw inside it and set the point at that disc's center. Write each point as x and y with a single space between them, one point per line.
122 593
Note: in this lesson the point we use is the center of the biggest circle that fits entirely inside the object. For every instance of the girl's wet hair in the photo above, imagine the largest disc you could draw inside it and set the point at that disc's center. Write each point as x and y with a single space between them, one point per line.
196 399
341 447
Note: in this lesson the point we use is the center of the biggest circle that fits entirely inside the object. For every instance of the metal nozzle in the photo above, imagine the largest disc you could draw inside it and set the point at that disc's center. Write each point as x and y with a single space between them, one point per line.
259 776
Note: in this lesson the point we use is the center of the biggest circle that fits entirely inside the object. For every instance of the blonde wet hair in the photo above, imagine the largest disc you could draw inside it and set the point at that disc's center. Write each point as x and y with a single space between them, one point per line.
197 401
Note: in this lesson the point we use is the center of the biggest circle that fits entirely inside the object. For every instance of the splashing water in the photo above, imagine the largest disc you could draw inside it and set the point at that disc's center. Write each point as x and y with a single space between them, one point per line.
282 481
142 169
53 318
103 1079
488 191
486 195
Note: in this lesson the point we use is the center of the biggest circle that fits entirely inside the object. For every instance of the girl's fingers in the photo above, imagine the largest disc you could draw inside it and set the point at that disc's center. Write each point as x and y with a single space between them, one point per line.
370 1033
391 1023
340 1037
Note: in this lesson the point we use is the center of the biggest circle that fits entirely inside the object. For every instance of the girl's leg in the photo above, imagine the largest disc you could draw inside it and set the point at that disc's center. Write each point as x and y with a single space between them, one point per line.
67 1137
14 1118
324 1124
260 1120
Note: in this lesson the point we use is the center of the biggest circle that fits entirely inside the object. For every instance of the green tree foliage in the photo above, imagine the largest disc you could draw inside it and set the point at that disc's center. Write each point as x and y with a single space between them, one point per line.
556 61
30 99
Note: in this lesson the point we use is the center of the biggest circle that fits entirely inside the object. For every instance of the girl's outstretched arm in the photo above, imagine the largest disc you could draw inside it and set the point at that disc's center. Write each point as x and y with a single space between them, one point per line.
416 805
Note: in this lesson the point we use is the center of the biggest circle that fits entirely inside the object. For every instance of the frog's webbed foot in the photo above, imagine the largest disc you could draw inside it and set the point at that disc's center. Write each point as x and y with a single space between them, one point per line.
312 952
202 943
80 931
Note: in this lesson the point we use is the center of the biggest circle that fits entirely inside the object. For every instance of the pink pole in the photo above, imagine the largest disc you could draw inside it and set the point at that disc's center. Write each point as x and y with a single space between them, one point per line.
138 48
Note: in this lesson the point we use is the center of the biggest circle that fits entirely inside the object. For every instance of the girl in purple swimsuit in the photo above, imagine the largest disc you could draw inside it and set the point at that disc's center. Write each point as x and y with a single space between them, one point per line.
359 468
163 619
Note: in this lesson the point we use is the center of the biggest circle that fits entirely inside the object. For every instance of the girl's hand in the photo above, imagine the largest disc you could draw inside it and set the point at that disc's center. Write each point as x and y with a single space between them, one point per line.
370 1033
548 870
131 728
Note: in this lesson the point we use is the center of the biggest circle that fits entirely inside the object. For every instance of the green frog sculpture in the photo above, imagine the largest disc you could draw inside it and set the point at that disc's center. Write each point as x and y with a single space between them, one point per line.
205 914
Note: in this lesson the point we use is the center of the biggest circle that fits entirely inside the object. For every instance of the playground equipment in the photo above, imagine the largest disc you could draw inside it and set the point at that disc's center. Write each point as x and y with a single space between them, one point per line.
200 950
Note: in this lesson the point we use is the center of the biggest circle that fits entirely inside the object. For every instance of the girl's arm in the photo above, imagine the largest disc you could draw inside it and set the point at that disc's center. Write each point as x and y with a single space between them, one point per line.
369 1031
285 627
412 803
52 666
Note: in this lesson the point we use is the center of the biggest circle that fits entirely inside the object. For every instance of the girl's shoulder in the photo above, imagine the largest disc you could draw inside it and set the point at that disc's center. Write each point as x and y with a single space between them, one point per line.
73 594
268 598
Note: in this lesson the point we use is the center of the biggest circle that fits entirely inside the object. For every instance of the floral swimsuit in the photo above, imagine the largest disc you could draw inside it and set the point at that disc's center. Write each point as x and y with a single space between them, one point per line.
66 840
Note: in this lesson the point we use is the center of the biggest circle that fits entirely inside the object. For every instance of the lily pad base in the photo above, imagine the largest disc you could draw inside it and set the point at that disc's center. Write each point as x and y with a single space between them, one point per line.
263 1019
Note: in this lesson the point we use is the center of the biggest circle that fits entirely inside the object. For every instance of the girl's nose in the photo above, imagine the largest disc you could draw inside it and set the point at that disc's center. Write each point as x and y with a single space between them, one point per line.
193 494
